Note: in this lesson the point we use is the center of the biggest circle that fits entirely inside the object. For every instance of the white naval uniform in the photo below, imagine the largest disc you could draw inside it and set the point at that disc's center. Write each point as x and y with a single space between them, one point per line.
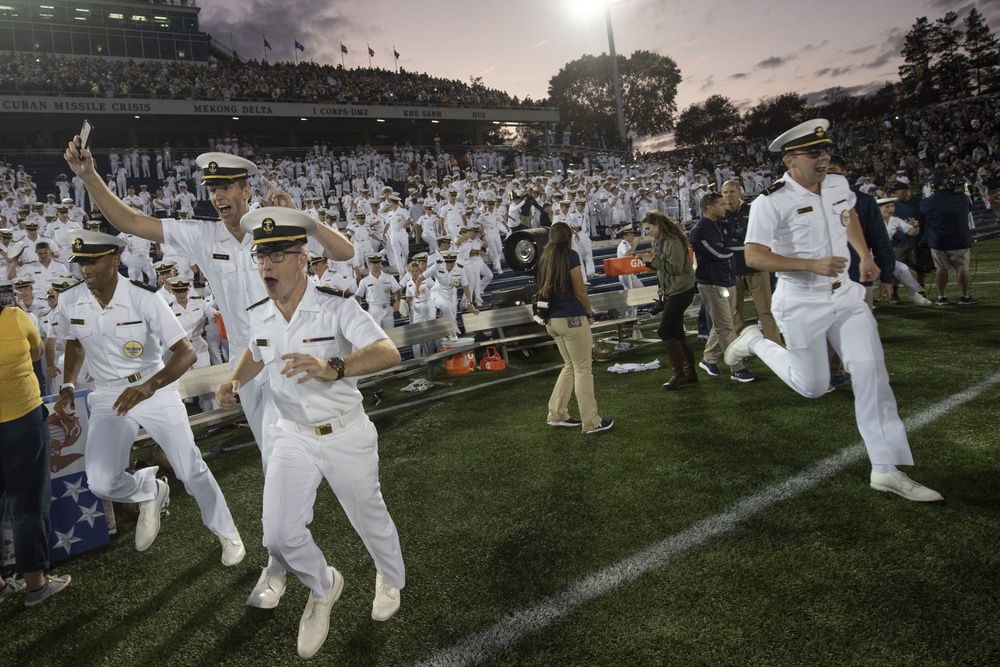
443 285
378 293
236 285
122 342
811 309
324 325
629 280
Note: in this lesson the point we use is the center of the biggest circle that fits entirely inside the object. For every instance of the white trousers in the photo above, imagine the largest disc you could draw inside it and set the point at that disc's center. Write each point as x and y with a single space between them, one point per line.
348 460
383 314
902 272
110 439
808 319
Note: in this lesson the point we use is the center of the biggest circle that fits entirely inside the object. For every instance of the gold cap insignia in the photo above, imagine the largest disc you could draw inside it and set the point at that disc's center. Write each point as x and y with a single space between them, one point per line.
78 244
213 167
267 225
820 132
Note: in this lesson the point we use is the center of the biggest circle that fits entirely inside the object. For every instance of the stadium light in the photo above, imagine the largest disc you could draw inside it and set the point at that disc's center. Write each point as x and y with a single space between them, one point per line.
587 8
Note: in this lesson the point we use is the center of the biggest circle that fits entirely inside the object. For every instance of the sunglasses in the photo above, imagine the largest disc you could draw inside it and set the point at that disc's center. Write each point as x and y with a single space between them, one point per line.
816 153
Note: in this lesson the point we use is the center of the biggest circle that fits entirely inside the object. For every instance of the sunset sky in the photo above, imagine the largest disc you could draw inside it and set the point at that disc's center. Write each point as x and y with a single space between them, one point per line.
744 50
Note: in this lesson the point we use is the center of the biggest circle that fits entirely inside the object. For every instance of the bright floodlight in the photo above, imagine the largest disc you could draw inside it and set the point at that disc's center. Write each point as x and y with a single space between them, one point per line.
586 9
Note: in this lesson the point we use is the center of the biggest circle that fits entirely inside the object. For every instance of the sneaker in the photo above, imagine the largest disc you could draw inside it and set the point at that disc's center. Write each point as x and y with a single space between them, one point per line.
386 602
743 375
569 421
233 551
739 349
606 424
898 483
967 300
711 369
942 301
268 591
149 516
837 380
13 587
52 586
315 624
920 300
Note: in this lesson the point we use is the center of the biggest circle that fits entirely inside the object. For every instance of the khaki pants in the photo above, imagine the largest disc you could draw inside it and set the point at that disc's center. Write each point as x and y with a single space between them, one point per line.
576 347
720 308
759 286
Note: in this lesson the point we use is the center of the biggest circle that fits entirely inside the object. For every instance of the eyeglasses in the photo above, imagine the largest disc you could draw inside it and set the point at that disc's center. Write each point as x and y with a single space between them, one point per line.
276 256
816 153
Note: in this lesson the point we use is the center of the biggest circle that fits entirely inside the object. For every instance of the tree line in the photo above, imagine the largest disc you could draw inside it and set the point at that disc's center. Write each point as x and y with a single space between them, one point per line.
943 60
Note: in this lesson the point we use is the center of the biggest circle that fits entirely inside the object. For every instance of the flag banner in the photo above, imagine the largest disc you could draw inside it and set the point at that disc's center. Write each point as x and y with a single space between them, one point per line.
343 49
395 53
266 44
371 52
80 520
299 46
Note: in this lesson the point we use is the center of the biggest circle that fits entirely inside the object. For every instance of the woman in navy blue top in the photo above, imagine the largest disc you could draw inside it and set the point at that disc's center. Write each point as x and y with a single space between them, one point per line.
560 283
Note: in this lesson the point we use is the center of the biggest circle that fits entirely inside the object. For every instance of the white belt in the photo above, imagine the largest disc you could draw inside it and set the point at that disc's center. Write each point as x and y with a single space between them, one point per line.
135 377
828 287
326 428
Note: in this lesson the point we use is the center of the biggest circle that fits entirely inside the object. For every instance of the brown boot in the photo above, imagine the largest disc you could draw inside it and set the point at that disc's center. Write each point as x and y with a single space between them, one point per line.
676 355
690 364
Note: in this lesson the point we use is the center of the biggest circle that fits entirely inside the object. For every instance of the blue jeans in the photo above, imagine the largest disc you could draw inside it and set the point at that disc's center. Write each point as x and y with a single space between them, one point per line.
26 489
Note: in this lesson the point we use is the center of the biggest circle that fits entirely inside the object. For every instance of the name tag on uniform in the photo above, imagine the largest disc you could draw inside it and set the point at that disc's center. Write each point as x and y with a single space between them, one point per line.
125 324
803 211
317 340
262 342
220 256
75 321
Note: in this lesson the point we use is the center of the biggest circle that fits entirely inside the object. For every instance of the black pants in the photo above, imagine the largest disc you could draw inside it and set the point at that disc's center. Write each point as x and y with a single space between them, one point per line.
672 319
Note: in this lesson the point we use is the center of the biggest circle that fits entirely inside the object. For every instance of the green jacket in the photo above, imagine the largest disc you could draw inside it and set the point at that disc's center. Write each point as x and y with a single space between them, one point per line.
672 263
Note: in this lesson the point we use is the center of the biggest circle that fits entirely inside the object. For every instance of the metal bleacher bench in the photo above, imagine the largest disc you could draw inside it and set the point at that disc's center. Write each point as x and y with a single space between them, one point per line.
504 319
206 380
419 333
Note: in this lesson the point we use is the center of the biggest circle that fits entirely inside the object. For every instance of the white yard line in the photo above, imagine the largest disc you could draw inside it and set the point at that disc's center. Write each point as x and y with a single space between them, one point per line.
511 630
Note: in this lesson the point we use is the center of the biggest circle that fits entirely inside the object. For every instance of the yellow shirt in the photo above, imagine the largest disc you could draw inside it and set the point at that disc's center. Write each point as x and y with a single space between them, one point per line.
19 392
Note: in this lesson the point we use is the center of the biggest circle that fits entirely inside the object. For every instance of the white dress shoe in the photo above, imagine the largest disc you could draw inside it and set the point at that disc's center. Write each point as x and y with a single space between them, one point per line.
315 623
233 550
739 349
897 482
386 601
268 591
148 526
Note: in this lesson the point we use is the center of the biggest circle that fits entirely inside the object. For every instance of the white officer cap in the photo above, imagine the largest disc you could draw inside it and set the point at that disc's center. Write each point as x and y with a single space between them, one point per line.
804 135
180 283
223 168
886 200
277 225
21 283
15 250
91 245
164 266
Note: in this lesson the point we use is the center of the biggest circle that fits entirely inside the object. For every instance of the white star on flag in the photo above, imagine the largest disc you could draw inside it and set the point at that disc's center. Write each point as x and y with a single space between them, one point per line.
74 489
88 514
66 540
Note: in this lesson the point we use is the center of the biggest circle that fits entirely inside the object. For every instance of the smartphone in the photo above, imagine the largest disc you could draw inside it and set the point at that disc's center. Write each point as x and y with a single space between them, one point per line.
85 134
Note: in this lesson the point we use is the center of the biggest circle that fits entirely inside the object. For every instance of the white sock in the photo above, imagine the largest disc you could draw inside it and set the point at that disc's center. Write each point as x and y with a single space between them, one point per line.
884 469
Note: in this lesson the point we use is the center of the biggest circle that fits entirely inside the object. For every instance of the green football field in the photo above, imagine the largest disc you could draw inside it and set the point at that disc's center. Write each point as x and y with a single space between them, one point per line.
725 524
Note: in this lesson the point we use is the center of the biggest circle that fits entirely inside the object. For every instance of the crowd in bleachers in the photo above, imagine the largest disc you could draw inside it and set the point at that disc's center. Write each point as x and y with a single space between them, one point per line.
240 80
961 137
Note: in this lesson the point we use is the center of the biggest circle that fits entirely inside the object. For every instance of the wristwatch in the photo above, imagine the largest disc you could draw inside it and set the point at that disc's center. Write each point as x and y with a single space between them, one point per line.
337 364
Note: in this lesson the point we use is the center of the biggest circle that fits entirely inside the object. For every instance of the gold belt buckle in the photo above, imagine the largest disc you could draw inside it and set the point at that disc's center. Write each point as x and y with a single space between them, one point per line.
134 377
836 285
325 429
